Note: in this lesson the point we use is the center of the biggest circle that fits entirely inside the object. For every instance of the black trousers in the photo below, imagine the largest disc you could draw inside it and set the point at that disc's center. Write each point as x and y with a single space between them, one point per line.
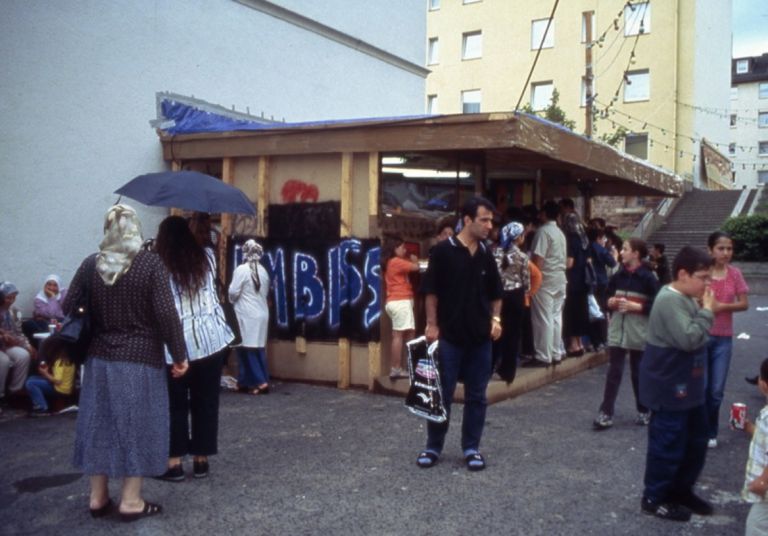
507 349
194 406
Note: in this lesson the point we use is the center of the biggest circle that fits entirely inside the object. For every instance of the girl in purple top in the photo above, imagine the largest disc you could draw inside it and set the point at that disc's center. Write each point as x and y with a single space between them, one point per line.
730 292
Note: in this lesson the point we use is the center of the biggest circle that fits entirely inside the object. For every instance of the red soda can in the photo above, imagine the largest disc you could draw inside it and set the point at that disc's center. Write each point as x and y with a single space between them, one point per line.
738 415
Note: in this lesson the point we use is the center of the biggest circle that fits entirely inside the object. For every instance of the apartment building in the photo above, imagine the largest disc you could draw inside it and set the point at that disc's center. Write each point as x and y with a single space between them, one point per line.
656 66
748 118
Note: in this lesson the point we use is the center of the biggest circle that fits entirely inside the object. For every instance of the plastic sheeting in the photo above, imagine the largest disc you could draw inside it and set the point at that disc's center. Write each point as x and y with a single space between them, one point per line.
181 118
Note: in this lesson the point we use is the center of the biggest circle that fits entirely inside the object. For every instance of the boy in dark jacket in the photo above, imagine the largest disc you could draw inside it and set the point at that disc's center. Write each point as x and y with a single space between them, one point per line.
672 382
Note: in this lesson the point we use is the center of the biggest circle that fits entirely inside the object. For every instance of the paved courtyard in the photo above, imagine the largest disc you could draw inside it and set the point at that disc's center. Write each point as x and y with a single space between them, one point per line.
316 460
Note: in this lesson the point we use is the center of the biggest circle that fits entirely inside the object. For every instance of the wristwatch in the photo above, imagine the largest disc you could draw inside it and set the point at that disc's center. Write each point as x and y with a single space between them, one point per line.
496 319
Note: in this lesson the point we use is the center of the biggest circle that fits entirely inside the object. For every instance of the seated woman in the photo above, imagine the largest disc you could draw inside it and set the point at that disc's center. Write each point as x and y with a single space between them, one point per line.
15 350
47 308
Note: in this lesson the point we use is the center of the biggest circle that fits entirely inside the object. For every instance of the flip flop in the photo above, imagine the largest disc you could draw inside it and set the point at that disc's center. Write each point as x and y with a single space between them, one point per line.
426 459
475 462
150 509
104 510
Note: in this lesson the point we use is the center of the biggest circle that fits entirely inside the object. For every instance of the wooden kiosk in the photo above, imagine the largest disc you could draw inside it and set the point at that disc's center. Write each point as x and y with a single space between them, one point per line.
284 169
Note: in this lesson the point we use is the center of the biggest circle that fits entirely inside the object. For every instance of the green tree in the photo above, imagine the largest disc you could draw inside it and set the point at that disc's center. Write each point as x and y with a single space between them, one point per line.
553 112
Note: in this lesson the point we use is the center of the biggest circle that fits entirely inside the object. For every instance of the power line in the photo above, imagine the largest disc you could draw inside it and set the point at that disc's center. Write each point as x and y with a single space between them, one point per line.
538 52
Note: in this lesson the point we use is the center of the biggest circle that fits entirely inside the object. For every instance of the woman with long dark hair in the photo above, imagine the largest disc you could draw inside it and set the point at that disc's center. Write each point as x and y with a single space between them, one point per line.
122 424
192 271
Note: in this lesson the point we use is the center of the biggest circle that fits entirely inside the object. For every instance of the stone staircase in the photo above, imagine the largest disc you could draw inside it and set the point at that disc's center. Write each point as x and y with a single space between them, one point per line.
696 216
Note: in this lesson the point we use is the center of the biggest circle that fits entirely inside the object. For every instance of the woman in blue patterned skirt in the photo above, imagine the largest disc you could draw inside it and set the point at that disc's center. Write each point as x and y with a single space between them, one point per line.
122 425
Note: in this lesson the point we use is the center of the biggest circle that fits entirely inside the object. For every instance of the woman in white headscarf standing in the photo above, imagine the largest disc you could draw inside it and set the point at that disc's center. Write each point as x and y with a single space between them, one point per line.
123 422
248 293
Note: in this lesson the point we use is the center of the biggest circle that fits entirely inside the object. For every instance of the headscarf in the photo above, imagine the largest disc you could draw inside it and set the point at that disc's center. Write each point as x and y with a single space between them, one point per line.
43 296
252 253
573 225
509 233
121 243
7 288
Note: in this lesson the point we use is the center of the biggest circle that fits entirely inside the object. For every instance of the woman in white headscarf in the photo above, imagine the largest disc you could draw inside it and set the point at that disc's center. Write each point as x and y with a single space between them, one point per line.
123 422
248 293
47 304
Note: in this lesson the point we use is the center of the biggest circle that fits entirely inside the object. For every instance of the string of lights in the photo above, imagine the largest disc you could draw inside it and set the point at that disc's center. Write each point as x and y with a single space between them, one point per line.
723 113
682 153
631 61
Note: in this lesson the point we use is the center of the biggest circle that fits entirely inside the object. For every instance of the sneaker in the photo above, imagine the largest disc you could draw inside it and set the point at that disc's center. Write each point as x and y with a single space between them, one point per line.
695 504
643 419
603 421
39 412
200 469
712 443
668 511
173 474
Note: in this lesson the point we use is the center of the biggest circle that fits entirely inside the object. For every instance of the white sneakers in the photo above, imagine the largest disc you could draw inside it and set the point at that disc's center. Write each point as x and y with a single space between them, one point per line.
712 443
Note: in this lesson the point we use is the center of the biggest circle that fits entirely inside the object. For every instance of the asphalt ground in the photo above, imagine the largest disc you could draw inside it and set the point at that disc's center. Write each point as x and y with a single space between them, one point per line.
315 460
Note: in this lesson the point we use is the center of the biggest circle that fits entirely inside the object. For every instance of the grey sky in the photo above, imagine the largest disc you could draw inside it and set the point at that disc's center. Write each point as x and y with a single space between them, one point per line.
750 27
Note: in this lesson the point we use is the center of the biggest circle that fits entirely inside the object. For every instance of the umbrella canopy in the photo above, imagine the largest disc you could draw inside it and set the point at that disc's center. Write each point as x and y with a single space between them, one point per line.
189 190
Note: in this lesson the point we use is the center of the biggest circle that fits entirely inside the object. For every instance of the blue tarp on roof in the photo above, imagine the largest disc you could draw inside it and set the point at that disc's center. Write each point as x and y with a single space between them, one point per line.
190 120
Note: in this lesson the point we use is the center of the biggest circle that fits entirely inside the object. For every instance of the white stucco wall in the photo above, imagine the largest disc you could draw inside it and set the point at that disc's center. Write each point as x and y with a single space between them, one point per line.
77 88
712 72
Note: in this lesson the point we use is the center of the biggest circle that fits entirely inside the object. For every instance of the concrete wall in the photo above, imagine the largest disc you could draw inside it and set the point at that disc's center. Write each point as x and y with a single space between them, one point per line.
78 85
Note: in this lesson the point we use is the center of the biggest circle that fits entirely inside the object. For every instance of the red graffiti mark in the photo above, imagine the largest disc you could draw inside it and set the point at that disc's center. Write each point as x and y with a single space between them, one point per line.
295 190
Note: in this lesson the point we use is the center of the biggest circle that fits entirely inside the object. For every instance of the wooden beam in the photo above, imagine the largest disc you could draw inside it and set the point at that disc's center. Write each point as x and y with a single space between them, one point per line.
374 363
262 195
345 358
176 166
373 184
346 194
345 364
228 177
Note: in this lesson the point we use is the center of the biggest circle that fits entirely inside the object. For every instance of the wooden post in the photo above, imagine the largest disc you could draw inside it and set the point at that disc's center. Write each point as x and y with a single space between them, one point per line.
228 177
176 166
587 15
262 201
374 347
345 351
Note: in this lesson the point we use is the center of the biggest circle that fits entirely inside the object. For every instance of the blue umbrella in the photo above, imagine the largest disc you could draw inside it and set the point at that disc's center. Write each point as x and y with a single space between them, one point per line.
189 190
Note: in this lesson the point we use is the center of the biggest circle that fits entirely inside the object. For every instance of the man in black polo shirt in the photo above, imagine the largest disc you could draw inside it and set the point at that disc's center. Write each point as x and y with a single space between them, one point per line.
463 304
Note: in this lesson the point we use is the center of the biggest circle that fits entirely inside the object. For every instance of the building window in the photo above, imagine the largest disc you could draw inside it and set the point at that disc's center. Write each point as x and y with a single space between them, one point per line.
432 51
537 32
733 120
587 16
762 148
470 101
432 104
742 66
637 86
762 90
637 145
637 18
434 5
734 92
762 177
762 119
731 148
541 95
471 45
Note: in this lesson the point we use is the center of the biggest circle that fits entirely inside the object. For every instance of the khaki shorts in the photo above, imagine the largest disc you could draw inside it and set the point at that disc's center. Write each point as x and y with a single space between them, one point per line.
401 313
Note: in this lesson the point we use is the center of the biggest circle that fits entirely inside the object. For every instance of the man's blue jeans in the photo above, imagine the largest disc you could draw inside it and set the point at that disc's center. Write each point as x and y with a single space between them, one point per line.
252 367
473 365
718 361
677 449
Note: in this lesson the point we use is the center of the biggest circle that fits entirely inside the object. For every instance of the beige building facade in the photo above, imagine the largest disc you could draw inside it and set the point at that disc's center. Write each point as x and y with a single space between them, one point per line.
657 66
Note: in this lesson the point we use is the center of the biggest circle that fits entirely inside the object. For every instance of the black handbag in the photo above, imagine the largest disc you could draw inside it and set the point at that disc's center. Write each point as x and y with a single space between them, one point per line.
75 332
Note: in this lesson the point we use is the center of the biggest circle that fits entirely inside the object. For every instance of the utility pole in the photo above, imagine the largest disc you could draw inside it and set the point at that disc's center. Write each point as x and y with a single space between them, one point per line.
587 16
